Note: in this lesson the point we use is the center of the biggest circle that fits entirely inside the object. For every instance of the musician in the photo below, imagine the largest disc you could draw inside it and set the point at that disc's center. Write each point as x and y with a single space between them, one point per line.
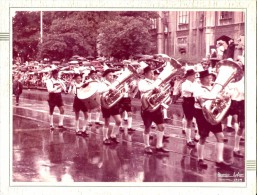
187 89
114 111
236 110
78 105
125 104
55 87
92 76
144 86
202 92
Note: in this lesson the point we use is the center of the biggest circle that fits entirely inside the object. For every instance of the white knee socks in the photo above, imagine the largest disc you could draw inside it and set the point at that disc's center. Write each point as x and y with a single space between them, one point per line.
105 133
115 131
51 118
130 122
200 151
61 117
77 125
84 124
219 148
188 134
146 140
165 113
159 139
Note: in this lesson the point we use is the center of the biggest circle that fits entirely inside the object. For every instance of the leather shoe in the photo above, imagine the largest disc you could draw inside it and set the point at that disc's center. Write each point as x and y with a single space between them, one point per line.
107 142
191 144
166 120
85 133
225 139
121 129
114 140
202 164
148 150
131 129
223 164
183 132
79 133
162 150
238 154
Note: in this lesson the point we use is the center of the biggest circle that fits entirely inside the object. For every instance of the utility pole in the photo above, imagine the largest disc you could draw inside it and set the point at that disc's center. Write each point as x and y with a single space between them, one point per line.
41 26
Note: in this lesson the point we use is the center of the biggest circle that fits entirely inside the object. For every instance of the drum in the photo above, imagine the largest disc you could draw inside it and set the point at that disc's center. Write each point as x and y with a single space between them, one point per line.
89 95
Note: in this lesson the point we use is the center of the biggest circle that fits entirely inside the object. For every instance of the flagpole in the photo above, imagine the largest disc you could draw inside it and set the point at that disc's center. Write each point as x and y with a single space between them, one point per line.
41 26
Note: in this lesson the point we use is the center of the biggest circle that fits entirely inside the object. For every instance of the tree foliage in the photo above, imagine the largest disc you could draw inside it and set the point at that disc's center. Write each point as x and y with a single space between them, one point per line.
125 36
68 33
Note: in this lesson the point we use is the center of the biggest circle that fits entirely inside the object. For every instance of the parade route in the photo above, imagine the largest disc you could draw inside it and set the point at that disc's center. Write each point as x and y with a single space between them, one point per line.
43 156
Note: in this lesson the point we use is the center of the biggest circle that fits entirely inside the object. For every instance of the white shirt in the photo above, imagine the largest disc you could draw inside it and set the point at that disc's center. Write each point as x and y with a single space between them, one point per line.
52 85
145 85
74 87
202 92
104 86
177 87
187 88
236 90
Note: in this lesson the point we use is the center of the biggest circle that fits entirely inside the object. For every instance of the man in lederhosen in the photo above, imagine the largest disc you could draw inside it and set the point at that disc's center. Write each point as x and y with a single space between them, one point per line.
203 92
144 86
78 106
187 89
114 111
55 87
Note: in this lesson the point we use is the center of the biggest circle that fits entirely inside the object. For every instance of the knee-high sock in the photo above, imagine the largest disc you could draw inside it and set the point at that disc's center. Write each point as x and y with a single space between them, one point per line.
84 124
61 117
130 122
146 140
115 131
237 141
184 122
223 126
51 118
195 124
188 134
125 115
77 125
98 114
236 127
165 113
159 139
200 151
220 149
89 117
105 133
229 120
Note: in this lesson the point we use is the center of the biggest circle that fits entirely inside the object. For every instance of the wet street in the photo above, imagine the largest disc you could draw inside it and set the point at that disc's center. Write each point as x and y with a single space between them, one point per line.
43 156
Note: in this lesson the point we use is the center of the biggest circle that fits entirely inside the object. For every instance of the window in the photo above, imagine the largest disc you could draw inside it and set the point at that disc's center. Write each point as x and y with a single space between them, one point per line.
226 18
183 17
226 15
153 23
183 20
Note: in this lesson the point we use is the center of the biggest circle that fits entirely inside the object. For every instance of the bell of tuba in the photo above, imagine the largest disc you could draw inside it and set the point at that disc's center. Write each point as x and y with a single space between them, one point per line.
215 110
152 100
110 98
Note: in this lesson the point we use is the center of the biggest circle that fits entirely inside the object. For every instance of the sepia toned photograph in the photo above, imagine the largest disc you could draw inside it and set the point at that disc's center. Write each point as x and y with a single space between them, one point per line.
128 96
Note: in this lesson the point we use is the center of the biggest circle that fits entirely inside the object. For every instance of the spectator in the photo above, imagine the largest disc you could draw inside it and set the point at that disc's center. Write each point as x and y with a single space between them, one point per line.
230 50
17 88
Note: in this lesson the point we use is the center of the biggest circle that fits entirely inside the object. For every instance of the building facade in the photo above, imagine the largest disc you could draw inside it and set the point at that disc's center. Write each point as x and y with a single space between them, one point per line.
192 34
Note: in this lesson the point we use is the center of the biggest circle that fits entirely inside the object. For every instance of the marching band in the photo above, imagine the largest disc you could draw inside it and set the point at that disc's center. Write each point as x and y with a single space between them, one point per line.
200 90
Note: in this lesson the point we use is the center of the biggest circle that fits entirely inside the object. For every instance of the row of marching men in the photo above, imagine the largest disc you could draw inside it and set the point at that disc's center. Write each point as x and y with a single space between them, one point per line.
196 88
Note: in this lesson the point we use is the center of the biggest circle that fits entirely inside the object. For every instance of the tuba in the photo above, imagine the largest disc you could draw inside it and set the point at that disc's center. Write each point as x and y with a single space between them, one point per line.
152 100
110 98
215 110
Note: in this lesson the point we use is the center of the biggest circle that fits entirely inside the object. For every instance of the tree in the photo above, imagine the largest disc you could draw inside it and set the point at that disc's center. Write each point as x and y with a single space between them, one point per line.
26 34
125 36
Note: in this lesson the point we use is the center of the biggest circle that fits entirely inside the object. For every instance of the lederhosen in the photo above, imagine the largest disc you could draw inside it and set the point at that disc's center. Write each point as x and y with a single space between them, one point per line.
188 107
78 103
55 99
114 110
125 104
204 126
149 117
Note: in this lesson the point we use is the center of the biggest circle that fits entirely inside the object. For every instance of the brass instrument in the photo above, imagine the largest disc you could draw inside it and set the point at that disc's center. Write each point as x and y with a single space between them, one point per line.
152 100
215 110
110 98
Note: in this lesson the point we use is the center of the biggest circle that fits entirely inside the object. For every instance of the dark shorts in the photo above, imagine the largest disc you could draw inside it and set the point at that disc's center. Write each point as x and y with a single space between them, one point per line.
188 107
204 126
241 111
149 117
79 105
114 110
125 104
234 108
55 99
